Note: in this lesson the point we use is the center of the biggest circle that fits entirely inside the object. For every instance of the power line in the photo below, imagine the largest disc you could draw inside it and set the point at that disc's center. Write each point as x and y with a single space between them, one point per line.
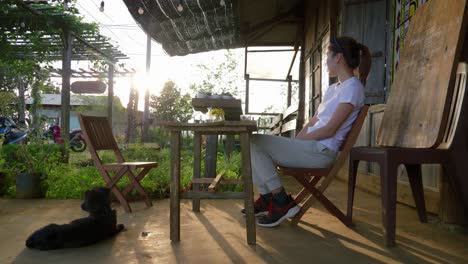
113 33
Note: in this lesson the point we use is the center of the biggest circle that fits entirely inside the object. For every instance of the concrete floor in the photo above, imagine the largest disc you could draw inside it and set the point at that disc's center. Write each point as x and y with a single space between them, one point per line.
217 235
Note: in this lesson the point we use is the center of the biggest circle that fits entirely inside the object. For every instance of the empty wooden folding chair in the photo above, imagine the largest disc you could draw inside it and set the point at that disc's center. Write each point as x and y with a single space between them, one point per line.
316 180
98 136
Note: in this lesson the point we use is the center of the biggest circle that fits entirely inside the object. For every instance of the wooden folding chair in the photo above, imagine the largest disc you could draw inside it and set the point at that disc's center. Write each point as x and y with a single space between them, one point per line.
98 136
316 180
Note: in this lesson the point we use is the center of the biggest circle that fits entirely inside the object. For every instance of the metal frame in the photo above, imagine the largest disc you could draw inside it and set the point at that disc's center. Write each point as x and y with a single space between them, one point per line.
288 78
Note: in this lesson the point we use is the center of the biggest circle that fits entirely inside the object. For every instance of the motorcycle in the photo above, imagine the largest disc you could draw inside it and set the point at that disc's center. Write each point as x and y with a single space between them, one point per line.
77 142
9 132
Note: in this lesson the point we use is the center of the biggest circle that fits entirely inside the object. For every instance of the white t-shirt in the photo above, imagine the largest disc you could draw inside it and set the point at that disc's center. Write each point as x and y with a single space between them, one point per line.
350 91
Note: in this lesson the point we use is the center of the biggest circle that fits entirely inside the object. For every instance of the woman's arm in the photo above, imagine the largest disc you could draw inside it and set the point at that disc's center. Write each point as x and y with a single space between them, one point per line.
343 110
311 123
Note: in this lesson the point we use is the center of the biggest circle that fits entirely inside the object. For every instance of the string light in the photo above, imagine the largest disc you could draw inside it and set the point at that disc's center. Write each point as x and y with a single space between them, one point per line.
23 24
222 3
180 8
141 11
101 8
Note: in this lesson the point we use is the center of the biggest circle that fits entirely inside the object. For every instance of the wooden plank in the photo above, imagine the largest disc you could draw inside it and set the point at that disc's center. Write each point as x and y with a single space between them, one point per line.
289 126
174 215
222 126
210 195
215 182
276 131
232 107
276 121
290 111
248 188
419 102
222 181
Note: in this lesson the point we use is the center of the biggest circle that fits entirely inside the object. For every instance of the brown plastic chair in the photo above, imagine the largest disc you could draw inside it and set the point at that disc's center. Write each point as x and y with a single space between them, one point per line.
98 136
316 180
389 158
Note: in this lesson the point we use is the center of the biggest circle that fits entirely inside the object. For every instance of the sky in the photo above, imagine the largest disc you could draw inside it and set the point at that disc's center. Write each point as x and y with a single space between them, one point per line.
117 23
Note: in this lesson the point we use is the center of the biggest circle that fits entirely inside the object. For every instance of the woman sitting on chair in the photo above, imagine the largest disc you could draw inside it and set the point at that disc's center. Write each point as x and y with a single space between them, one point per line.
317 144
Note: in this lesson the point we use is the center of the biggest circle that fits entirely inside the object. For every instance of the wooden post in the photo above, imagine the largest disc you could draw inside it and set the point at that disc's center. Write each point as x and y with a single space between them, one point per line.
22 102
175 186
110 93
67 40
229 145
302 89
196 171
211 154
130 112
289 90
247 81
144 134
36 98
248 188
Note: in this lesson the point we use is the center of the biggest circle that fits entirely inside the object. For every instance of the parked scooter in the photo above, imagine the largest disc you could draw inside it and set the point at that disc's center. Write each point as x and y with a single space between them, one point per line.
9 132
77 142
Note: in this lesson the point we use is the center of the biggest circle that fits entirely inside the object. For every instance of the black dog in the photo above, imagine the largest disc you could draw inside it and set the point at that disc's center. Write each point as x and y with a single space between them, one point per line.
99 225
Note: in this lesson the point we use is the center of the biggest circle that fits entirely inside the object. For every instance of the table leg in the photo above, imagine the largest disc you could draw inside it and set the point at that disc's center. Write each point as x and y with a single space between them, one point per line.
175 186
196 172
248 187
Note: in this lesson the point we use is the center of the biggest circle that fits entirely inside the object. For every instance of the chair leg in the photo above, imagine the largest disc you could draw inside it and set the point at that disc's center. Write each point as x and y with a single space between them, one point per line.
352 174
118 194
111 184
415 179
304 193
388 183
138 187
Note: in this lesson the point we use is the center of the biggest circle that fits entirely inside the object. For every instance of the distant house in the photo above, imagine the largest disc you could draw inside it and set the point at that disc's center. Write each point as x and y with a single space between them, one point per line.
50 107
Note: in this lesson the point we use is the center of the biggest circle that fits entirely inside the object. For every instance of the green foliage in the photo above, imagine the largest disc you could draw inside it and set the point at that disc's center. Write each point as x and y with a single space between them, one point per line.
171 105
31 158
71 180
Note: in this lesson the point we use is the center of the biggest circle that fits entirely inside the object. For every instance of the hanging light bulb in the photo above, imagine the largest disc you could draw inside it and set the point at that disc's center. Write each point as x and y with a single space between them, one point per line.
180 8
141 11
22 24
101 8
222 3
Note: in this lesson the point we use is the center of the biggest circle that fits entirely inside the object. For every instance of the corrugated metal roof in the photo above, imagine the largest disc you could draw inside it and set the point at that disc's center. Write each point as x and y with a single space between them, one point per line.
191 26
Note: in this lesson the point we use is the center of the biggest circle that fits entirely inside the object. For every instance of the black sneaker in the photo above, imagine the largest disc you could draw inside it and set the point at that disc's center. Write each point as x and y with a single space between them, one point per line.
278 213
261 205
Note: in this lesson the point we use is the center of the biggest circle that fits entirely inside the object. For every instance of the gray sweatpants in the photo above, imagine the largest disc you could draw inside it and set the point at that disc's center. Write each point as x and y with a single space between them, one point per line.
268 150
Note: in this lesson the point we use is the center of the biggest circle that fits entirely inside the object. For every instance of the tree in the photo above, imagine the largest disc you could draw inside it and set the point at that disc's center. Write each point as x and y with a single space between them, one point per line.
220 78
171 105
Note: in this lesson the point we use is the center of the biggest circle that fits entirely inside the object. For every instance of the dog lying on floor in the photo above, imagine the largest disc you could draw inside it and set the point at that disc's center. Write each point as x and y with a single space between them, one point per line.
99 225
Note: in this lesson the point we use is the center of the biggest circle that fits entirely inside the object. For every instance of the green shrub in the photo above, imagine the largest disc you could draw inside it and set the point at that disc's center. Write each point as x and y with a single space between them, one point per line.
71 180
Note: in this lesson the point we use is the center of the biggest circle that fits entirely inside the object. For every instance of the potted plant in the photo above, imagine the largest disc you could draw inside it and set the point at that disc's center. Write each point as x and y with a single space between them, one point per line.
31 163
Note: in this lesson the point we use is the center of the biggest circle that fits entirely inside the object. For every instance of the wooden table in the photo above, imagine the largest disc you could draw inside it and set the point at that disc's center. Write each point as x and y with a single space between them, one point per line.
242 128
